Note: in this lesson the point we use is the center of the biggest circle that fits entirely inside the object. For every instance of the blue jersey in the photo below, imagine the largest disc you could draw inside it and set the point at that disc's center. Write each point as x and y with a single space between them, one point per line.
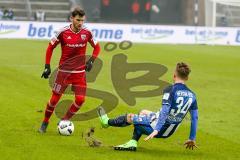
177 100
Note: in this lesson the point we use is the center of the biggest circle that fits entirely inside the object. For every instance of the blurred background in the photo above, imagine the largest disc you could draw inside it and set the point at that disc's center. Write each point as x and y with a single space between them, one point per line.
167 12
203 33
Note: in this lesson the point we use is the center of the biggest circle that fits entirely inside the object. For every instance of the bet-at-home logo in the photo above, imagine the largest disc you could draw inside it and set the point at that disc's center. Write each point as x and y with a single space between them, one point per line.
8 28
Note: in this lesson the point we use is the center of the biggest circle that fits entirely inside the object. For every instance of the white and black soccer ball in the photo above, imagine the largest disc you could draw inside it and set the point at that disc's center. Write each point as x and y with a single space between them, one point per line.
65 128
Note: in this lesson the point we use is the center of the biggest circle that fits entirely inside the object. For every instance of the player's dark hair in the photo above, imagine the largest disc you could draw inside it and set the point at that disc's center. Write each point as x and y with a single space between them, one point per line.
78 11
183 70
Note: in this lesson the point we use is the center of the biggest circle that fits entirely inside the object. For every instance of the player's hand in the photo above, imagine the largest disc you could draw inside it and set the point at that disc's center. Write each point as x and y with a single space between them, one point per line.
47 71
190 144
89 64
152 135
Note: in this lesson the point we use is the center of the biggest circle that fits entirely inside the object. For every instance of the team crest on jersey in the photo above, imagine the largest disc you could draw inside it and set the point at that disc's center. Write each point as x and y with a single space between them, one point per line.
83 36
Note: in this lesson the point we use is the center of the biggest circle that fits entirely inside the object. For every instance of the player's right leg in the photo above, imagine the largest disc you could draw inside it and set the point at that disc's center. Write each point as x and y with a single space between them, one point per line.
49 110
59 86
141 126
120 121
131 145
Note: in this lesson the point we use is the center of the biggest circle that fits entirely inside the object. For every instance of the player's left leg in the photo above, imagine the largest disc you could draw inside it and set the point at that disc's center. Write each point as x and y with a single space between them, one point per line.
78 81
75 106
120 121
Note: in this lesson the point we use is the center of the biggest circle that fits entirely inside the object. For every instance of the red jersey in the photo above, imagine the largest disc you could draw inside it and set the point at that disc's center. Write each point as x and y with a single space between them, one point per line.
73 46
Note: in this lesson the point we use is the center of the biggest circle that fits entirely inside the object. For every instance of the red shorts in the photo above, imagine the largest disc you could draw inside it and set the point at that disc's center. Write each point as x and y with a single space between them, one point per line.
64 79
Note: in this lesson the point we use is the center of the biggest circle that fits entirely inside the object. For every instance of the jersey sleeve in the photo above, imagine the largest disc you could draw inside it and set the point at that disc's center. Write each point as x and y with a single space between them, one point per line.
56 37
194 123
194 119
91 40
52 44
95 45
194 105
167 97
166 105
163 114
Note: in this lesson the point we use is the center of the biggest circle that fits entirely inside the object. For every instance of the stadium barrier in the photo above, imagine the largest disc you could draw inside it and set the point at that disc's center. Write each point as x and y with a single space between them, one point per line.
135 33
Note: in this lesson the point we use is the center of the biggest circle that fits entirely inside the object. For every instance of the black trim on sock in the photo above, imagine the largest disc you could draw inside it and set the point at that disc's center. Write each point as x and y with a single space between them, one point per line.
120 121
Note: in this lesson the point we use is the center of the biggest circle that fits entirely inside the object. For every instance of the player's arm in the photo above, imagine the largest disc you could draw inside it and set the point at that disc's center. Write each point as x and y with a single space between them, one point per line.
194 122
52 44
191 142
163 114
95 53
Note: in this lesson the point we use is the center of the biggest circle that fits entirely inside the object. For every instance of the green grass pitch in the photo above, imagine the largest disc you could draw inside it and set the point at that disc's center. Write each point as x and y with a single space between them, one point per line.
214 78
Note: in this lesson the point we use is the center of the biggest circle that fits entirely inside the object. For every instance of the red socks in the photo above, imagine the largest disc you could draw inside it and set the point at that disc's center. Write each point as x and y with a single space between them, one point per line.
51 106
79 100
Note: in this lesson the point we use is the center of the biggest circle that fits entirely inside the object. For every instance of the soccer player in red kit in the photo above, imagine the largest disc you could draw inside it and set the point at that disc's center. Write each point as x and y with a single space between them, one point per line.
72 66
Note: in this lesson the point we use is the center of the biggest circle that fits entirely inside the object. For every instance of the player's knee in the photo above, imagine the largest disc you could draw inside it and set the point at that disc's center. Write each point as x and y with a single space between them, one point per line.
79 100
130 117
54 99
144 112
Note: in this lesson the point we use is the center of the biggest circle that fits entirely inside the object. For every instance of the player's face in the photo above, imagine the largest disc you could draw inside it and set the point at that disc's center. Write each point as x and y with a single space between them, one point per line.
77 22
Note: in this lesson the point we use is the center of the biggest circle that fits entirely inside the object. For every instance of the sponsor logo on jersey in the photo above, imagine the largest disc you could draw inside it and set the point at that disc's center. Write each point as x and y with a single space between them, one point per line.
76 45
166 96
69 37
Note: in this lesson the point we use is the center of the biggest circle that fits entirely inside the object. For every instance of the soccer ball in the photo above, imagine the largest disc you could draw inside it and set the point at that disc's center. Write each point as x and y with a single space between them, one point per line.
65 128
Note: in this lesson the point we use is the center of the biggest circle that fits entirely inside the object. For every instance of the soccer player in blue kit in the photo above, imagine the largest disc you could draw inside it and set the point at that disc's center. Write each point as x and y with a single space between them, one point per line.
177 100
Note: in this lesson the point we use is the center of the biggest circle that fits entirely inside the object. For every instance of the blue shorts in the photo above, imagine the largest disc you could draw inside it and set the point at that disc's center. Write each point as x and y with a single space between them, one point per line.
145 119
142 123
